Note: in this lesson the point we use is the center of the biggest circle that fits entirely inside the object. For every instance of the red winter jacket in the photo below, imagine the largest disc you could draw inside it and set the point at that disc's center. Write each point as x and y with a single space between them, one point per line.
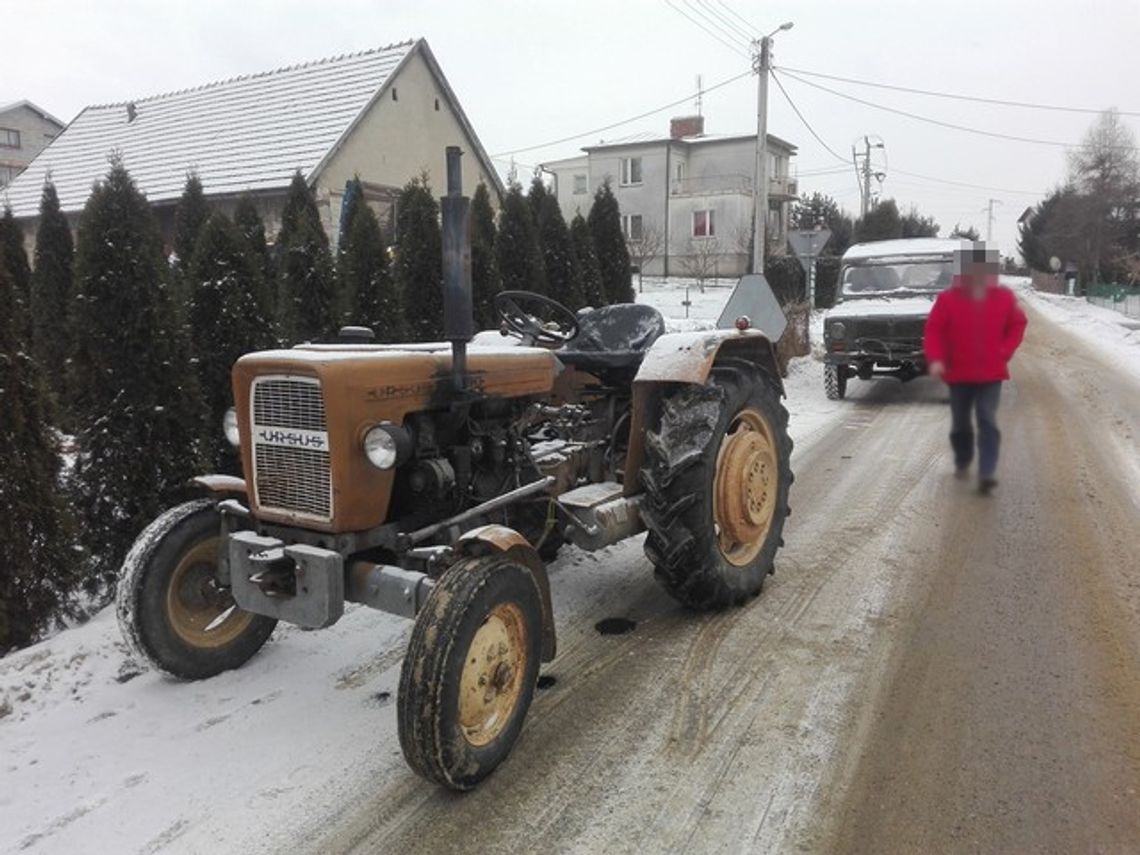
975 338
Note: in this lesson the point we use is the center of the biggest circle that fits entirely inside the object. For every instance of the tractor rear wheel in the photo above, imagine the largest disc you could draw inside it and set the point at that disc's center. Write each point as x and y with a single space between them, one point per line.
716 477
171 608
470 671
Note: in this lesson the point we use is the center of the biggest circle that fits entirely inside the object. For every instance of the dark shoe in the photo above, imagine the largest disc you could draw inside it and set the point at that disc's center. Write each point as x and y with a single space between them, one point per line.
962 473
986 485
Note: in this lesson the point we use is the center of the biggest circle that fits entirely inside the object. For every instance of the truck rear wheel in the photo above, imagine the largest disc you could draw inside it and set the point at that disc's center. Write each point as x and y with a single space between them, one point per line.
716 478
171 608
835 381
470 671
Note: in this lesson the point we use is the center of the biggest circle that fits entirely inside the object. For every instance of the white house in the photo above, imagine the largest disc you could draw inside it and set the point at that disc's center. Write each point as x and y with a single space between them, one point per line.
686 199
25 131
386 115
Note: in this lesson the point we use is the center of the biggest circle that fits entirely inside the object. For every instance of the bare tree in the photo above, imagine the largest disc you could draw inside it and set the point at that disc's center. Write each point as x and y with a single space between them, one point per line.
645 248
1105 169
702 259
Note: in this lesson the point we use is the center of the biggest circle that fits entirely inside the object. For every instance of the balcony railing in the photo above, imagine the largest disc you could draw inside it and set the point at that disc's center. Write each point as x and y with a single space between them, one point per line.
738 184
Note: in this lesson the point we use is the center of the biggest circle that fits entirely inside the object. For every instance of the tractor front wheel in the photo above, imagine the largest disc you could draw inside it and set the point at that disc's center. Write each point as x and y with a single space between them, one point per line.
172 610
470 671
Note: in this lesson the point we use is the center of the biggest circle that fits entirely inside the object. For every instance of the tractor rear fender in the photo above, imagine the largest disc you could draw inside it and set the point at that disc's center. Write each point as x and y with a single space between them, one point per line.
687 358
478 541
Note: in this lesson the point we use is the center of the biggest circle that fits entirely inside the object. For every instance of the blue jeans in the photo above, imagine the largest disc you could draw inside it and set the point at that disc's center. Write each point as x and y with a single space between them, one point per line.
982 398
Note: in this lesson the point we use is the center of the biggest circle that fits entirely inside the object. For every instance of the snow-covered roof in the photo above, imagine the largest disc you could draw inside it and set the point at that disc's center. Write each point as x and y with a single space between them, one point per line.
16 105
248 133
903 246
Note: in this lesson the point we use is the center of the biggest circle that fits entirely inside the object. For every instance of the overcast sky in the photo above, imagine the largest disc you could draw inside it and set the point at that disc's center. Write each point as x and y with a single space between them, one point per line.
529 72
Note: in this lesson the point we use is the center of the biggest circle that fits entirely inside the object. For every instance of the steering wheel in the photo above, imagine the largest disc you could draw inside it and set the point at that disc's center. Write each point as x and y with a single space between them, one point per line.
543 320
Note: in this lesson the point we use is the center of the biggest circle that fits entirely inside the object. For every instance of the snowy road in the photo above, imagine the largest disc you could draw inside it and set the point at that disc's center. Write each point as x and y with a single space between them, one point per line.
928 671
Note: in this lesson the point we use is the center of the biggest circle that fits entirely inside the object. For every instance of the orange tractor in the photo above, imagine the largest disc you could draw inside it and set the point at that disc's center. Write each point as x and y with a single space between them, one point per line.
432 480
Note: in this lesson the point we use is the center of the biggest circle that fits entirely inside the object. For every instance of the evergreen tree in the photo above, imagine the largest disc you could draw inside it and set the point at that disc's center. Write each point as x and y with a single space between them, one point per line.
881 223
52 287
227 316
536 194
14 258
38 567
588 269
353 197
132 378
307 299
609 245
916 225
189 216
819 209
367 278
563 280
419 260
516 245
249 223
485 279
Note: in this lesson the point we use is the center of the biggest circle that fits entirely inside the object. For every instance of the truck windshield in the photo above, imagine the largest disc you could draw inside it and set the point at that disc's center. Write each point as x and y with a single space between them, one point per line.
901 275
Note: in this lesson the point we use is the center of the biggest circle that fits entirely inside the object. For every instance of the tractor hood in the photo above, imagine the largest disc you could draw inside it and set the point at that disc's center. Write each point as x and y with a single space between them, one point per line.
303 412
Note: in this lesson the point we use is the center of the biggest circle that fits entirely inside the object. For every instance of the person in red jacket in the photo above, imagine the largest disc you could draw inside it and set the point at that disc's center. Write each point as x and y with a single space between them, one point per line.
971 334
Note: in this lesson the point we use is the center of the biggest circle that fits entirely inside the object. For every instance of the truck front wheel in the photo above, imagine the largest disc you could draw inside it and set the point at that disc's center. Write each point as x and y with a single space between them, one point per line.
835 381
171 608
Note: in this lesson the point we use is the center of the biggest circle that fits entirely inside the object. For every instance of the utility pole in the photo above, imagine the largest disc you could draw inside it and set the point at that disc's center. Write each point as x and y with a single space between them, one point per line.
865 173
762 65
989 212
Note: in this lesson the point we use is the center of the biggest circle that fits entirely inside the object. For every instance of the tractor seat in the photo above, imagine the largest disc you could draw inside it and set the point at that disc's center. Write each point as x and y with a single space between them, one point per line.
613 337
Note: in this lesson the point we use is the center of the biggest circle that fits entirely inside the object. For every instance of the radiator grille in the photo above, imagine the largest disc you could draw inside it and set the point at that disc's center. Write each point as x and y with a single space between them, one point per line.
290 447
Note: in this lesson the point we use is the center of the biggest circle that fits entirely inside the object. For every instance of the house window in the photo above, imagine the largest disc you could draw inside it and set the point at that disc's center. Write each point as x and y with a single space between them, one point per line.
703 224
9 138
581 184
631 170
631 226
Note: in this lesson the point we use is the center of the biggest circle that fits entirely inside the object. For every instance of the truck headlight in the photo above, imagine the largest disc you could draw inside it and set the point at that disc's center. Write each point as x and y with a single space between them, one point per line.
230 427
837 331
386 446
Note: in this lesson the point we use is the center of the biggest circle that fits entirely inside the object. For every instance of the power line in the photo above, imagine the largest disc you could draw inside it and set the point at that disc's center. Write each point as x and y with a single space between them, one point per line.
954 96
733 46
727 21
636 118
806 124
938 122
732 35
967 184
752 29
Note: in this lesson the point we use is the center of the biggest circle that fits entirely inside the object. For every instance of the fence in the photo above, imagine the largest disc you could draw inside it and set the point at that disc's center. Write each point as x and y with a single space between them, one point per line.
1120 298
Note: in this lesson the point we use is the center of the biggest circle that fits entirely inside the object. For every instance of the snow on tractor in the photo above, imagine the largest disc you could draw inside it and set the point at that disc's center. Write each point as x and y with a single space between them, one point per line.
431 480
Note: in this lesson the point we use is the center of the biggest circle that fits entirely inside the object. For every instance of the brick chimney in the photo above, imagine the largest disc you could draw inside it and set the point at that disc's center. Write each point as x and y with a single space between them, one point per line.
686 126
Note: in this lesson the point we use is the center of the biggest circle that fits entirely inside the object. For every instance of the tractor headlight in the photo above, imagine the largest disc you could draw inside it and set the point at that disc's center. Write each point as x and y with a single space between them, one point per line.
837 331
230 427
386 446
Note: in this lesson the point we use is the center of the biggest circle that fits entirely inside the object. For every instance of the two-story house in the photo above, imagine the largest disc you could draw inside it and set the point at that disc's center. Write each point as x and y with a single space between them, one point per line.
25 131
686 200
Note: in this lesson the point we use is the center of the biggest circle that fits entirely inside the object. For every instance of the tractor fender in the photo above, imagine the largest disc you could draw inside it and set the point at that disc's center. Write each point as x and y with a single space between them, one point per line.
221 485
688 357
518 549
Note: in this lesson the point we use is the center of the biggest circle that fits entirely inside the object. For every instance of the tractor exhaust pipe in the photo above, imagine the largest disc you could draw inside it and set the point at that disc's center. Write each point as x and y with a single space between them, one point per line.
458 315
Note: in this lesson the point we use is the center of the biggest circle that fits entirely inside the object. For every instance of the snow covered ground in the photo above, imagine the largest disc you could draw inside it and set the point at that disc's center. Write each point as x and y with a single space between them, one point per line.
1113 335
99 755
